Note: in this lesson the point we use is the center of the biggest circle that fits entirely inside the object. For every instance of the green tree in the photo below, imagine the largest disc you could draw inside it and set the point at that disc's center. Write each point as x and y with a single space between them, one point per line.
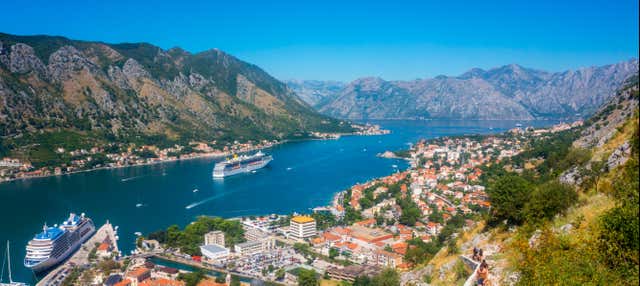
333 252
620 234
410 212
280 273
307 277
388 277
362 280
509 195
192 278
548 200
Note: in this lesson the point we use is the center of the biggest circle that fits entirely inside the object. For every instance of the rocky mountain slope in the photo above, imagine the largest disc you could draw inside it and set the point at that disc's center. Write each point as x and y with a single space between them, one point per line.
316 92
507 92
603 125
137 90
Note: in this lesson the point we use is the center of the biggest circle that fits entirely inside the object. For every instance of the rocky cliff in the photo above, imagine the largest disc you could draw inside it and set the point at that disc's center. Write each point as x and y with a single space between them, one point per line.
508 92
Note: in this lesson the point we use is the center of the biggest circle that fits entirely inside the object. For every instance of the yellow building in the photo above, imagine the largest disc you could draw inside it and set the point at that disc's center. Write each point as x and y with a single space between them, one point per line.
302 227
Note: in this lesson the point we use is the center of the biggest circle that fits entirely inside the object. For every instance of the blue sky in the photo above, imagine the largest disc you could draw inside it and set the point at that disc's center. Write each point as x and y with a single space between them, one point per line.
344 40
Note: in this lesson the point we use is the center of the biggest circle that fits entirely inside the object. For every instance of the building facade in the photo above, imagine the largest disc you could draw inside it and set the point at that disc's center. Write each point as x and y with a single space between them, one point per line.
214 237
302 227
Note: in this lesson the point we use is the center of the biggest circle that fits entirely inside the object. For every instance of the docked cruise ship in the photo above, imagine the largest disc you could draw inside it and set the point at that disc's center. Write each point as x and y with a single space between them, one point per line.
55 244
241 164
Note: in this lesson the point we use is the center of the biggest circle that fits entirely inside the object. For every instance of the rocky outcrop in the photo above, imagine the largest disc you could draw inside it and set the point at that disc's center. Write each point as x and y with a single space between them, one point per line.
22 59
67 62
133 70
572 176
508 92
619 156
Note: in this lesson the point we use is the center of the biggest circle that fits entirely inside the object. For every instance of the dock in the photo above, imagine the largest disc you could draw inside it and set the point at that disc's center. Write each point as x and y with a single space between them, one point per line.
81 256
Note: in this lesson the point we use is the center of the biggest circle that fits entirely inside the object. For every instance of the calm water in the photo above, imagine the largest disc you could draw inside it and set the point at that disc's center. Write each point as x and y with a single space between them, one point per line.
302 175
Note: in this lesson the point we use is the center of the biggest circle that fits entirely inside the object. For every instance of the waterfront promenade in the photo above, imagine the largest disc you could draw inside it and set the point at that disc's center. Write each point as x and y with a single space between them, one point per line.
81 257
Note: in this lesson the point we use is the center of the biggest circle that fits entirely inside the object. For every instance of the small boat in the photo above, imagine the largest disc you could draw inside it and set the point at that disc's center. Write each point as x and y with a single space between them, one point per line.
7 257
288 168
137 233
139 205
394 166
195 190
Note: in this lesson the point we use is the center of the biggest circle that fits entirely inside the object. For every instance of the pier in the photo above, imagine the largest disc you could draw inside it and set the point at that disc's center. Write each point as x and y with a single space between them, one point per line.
81 256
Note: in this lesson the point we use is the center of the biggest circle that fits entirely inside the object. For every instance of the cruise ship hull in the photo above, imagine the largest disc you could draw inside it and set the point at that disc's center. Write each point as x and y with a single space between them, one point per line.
51 262
243 169
45 252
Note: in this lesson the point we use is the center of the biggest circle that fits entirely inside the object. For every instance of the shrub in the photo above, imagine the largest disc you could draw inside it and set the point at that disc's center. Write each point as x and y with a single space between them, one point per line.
508 197
548 200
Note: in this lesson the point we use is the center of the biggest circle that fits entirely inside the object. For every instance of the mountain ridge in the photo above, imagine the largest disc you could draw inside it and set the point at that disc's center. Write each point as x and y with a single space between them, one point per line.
506 92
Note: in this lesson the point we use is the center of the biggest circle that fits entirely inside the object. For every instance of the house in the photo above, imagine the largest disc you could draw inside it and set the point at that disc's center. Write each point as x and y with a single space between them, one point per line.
138 275
434 228
104 250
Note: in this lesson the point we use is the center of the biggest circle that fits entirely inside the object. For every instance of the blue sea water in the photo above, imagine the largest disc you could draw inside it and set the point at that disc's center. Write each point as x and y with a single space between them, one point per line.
302 175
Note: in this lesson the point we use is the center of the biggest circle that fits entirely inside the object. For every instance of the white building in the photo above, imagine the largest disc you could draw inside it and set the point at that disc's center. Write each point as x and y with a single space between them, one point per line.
302 227
256 246
253 233
214 237
214 252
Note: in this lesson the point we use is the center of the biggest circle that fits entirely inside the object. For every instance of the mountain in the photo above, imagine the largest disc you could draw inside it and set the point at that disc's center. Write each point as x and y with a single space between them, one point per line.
316 92
139 91
507 92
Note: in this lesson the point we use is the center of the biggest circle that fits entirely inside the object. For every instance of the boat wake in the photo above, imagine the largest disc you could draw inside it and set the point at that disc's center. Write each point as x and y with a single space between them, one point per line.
193 205
130 178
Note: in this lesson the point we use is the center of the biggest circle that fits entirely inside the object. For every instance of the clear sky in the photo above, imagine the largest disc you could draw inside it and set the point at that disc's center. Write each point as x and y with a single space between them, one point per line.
344 40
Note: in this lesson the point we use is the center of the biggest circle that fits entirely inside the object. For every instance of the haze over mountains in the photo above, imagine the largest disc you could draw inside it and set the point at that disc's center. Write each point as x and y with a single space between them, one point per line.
140 90
507 92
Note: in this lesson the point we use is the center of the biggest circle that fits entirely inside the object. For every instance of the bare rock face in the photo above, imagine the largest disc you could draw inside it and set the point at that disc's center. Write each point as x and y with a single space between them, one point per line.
571 176
619 156
22 59
133 70
118 77
197 81
67 62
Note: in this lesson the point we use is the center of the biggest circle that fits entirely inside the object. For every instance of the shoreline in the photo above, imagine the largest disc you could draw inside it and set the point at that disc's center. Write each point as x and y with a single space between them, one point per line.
205 155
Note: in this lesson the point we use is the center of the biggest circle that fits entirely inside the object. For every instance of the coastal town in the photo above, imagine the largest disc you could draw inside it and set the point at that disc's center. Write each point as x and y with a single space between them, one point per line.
116 155
393 223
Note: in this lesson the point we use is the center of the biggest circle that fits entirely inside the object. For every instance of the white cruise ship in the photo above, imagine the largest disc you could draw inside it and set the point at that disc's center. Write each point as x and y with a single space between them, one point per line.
55 244
241 164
